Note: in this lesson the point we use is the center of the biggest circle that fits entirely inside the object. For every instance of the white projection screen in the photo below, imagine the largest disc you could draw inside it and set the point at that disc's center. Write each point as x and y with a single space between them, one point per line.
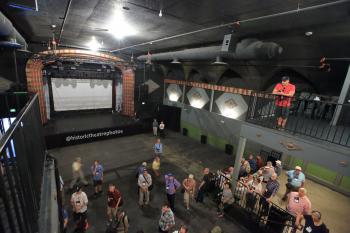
81 94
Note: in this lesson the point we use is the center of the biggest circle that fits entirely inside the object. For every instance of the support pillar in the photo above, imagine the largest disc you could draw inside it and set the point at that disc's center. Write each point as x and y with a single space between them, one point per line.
239 156
211 100
342 98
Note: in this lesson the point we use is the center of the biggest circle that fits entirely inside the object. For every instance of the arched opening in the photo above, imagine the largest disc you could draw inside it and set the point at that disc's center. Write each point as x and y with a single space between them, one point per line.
301 82
195 76
231 78
175 73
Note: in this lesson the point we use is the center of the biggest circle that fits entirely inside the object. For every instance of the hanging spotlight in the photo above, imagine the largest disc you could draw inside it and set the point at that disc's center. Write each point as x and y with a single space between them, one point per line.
160 13
175 61
218 61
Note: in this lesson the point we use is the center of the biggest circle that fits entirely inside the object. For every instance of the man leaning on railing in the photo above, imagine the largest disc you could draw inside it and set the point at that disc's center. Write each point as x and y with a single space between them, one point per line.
284 92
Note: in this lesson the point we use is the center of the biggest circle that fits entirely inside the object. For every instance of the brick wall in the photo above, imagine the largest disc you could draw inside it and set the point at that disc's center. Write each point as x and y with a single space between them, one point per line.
128 92
35 84
35 78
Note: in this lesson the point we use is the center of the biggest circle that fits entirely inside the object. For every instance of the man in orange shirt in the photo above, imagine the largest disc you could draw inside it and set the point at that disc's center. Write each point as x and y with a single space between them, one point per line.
284 92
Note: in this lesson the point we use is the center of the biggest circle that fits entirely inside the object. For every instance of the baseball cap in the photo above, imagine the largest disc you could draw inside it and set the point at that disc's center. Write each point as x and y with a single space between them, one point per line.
144 164
298 168
285 78
278 162
170 174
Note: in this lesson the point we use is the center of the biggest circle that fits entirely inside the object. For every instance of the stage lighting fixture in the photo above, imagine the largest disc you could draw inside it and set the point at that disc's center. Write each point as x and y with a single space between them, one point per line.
197 97
143 103
174 92
231 105
118 26
94 45
160 13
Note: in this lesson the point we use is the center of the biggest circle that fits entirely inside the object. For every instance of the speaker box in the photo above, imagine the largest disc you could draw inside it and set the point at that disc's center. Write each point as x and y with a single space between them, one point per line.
203 139
228 149
184 131
229 43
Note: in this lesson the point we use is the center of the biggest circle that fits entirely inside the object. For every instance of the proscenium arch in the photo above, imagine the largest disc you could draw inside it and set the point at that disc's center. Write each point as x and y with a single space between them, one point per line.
35 77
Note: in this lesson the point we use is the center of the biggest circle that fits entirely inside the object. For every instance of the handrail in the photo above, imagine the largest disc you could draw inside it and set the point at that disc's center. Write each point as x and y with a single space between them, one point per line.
8 134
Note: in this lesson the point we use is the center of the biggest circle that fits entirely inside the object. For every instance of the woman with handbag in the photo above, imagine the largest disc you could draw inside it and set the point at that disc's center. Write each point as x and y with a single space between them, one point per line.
189 187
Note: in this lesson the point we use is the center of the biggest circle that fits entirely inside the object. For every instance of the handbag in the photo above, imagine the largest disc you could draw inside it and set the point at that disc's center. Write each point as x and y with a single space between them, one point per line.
149 187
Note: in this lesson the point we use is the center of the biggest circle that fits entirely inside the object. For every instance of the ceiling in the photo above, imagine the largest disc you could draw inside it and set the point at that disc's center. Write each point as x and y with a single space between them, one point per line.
87 18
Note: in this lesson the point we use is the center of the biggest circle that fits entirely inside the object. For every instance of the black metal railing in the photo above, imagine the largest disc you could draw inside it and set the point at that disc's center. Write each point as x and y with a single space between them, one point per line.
266 216
323 120
22 154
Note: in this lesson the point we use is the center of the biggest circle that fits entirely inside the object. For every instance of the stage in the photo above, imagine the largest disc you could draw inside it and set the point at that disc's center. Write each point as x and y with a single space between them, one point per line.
75 128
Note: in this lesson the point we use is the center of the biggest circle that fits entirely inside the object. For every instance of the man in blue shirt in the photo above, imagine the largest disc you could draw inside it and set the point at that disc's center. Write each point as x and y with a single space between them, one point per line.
253 164
97 176
296 180
158 148
171 185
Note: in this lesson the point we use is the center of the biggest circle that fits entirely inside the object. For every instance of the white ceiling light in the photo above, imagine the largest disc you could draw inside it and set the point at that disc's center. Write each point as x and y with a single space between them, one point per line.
160 13
309 33
218 61
118 26
94 45
175 61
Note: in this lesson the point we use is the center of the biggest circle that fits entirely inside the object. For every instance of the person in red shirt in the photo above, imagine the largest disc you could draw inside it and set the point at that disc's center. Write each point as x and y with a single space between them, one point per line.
284 92
114 201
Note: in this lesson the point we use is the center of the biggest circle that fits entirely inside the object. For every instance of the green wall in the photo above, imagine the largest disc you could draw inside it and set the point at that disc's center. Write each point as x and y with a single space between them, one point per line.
312 169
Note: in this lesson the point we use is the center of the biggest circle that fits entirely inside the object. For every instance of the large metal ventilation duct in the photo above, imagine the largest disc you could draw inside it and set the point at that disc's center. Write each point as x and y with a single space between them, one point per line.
9 36
246 49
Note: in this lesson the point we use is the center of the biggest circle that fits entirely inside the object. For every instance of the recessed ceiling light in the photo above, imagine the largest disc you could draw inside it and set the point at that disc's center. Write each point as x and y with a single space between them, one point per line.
160 13
53 25
309 33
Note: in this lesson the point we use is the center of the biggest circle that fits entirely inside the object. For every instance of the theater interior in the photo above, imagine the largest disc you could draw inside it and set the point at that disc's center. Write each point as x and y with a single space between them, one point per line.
231 80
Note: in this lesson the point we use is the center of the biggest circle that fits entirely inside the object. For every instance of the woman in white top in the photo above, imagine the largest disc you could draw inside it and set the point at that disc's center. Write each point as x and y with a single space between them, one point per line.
161 129
79 202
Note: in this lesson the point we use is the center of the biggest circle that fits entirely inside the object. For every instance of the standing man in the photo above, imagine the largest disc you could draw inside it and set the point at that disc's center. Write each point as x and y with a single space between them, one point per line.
144 182
271 190
78 173
114 201
79 202
122 222
155 127
204 185
313 223
158 148
171 185
253 164
298 203
284 92
161 129
167 219
296 180
189 185
97 177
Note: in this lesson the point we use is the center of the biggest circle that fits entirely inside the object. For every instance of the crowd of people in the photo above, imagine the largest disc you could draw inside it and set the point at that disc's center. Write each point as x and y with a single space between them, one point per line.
258 181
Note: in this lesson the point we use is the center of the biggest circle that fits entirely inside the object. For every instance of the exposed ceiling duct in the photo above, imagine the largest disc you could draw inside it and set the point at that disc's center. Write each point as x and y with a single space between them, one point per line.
10 37
246 49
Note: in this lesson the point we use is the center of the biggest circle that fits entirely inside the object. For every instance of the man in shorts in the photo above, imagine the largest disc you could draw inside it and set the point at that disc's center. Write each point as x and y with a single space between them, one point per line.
97 176
114 201
284 92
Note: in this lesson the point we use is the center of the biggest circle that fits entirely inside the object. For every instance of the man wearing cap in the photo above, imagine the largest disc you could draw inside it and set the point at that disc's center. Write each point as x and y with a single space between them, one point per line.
171 186
278 167
296 180
144 182
284 92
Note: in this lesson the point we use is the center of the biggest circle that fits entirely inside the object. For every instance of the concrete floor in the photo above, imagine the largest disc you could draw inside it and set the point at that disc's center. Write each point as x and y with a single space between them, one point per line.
182 155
